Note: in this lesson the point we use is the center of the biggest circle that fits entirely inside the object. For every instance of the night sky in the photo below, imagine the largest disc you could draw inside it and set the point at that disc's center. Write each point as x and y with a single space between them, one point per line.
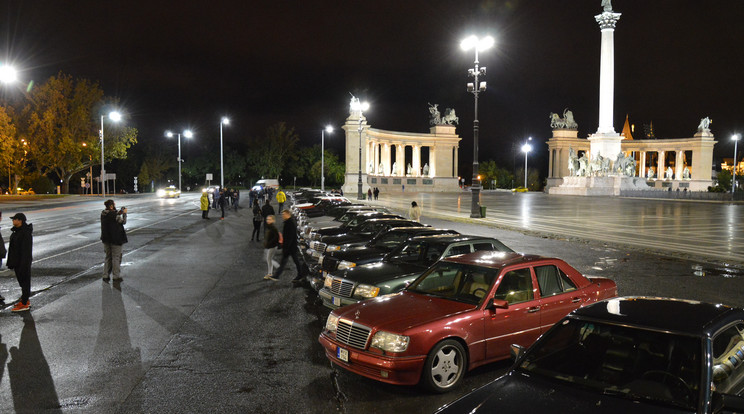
178 65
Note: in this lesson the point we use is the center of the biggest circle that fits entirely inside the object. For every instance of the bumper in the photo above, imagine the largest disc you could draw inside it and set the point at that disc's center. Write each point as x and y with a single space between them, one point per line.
398 371
334 301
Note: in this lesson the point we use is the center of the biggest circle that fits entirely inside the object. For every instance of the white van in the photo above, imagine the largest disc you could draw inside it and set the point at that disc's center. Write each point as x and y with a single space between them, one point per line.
268 182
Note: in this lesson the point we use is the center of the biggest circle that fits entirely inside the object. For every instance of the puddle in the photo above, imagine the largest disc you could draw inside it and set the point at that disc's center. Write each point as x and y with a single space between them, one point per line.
724 271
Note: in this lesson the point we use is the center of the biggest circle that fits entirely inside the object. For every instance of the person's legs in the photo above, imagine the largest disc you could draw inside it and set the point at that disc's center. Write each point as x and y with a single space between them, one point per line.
300 269
107 261
116 261
282 265
23 275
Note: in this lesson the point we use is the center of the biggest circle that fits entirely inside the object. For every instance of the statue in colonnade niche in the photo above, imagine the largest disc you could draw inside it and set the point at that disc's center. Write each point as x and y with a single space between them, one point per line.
370 168
583 165
650 173
394 171
669 173
382 169
573 162
426 169
409 169
686 173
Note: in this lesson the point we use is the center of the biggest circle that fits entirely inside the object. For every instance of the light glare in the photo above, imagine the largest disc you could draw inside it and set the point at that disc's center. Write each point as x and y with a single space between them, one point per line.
226 120
188 134
8 74
115 116
329 129
526 148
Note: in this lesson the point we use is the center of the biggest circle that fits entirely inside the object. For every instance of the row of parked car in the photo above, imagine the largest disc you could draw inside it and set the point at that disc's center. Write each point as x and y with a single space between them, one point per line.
413 304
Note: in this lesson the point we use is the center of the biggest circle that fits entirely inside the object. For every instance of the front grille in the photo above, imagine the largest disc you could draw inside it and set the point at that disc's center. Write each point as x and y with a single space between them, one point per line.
352 334
342 287
330 263
318 246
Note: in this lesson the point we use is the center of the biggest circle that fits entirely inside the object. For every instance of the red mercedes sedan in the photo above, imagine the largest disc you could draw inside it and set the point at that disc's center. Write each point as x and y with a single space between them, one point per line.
461 313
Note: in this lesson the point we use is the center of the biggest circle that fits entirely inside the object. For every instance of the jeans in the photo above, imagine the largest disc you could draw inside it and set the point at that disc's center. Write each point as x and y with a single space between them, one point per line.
270 262
285 256
112 264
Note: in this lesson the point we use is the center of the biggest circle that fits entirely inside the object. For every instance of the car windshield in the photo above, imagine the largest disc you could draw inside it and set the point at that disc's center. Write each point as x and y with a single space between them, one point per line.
390 240
626 362
455 281
358 220
416 251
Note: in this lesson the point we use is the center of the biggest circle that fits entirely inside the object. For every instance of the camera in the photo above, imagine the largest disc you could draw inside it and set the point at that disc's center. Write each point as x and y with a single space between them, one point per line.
121 210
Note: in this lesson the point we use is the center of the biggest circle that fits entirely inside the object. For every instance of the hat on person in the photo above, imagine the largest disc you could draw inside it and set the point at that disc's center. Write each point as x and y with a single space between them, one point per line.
19 216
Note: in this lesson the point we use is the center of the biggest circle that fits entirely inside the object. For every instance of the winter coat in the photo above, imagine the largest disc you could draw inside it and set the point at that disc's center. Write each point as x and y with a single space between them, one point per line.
20 247
271 238
257 217
267 210
112 227
281 197
289 234
414 213
204 202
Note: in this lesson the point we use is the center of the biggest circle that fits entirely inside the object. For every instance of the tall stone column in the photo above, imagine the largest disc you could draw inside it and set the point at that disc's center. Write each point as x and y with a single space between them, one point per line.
432 161
678 167
400 159
456 168
607 22
416 161
550 163
385 159
642 165
660 166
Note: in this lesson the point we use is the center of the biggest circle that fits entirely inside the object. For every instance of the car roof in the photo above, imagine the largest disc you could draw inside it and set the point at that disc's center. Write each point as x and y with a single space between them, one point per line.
494 259
667 314
450 238
420 229
388 219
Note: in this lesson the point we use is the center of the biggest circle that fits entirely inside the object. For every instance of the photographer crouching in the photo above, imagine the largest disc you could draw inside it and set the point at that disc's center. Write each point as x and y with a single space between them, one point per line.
113 237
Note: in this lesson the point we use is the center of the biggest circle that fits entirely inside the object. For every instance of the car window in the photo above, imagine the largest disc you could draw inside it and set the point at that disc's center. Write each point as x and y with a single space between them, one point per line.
728 360
462 283
552 281
515 286
433 253
483 246
410 252
391 239
461 249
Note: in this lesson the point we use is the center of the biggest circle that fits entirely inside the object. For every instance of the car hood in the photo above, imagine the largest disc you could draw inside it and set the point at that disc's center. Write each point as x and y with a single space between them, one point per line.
520 393
343 238
374 273
401 311
359 254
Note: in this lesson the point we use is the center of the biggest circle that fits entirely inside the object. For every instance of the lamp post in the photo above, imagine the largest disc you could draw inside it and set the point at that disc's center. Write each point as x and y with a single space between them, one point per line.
8 74
360 106
116 117
224 121
526 148
186 134
328 129
475 88
735 138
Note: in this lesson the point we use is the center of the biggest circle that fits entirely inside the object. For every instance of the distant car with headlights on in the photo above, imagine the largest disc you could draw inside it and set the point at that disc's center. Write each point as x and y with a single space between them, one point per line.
625 355
461 313
169 192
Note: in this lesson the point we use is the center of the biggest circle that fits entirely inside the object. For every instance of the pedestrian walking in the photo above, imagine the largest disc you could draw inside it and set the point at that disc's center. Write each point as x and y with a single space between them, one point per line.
414 213
376 192
221 203
281 198
289 248
204 205
3 253
216 197
113 237
236 199
257 219
20 255
266 211
369 194
271 245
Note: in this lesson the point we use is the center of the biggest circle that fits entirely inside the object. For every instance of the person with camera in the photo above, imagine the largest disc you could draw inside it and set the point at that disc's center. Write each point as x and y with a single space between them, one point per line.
113 237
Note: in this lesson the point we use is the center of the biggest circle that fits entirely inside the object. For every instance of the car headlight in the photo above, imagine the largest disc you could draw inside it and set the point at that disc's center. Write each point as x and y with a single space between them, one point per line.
161 193
332 323
366 291
333 248
328 281
345 265
320 260
388 342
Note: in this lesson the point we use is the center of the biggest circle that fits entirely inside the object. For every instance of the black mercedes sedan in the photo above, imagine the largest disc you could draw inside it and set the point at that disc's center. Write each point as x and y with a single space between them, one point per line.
625 355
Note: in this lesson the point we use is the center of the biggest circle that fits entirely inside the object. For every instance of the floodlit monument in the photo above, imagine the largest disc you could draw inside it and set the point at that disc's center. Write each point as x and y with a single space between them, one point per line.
609 162
392 161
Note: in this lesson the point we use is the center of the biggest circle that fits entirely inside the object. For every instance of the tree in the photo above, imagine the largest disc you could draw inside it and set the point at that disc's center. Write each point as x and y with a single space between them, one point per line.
154 166
269 154
60 117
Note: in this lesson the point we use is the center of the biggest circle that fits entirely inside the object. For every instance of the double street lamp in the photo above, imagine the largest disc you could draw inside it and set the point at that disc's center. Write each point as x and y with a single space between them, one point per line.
735 138
360 106
186 134
116 117
328 129
223 121
526 148
475 88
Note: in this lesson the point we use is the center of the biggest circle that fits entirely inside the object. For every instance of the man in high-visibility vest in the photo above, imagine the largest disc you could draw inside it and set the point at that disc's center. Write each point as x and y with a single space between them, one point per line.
281 198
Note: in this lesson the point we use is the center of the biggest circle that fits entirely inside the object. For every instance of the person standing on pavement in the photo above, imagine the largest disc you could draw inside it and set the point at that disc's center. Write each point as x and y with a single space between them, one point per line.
266 211
113 237
3 253
281 198
221 203
204 205
376 192
414 213
216 197
271 245
257 219
369 194
20 255
236 198
289 248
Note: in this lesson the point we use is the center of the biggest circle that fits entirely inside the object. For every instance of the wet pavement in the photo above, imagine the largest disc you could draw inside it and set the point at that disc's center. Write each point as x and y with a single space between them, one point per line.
195 328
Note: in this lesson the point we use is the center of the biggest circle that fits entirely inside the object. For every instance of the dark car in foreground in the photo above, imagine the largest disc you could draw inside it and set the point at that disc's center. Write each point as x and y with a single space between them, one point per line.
626 355
462 313
399 267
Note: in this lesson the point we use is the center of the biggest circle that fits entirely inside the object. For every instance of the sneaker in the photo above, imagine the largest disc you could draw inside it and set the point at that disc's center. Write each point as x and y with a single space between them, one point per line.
270 277
20 307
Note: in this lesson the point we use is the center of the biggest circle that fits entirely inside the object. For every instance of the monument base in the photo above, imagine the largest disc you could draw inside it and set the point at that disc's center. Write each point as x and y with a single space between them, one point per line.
598 186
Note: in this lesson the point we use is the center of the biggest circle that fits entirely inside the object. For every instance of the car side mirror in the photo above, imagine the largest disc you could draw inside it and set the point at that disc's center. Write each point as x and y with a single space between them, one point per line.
727 403
516 351
494 304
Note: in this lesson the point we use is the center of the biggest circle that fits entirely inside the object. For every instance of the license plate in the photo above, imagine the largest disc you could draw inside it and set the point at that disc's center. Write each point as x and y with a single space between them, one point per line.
342 354
323 273
316 254
336 301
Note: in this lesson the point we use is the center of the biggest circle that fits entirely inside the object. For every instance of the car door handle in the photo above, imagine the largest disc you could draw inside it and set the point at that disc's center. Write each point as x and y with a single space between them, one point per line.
575 300
533 309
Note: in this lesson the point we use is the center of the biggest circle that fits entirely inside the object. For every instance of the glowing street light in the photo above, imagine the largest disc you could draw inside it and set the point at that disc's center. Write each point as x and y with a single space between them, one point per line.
224 121
475 88
526 148
360 106
115 117
328 129
735 138
186 134
8 74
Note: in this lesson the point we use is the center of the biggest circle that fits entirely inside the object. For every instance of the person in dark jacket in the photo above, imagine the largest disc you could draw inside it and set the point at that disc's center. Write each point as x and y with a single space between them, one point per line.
113 237
271 245
257 219
222 202
20 255
289 248
3 253
267 210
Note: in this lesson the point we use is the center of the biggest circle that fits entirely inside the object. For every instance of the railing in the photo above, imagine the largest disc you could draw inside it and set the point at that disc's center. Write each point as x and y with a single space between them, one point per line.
682 195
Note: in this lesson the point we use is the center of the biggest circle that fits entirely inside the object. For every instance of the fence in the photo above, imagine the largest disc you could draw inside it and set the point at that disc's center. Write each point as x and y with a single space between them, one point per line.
683 195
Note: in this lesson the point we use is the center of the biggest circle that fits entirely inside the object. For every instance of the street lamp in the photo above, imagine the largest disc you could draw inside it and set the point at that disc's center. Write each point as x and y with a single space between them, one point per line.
224 121
526 148
360 106
735 138
475 88
116 117
328 129
186 134
8 74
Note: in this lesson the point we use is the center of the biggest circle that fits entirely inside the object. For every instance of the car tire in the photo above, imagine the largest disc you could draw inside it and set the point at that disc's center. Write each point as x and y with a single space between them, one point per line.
445 366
